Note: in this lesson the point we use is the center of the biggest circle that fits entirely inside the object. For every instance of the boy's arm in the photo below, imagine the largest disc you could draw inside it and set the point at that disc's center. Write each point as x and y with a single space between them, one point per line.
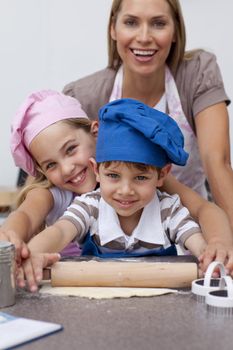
183 229
213 221
196 244
54 238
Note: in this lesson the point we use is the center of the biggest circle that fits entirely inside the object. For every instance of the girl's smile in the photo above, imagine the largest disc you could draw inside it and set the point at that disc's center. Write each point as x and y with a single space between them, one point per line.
66 162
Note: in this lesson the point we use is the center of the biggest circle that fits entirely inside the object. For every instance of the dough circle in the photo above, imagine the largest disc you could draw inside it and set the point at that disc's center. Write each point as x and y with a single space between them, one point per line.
104 292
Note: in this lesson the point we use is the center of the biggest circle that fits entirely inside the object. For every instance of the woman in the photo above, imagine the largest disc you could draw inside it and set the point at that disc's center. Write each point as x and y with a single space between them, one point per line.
147 61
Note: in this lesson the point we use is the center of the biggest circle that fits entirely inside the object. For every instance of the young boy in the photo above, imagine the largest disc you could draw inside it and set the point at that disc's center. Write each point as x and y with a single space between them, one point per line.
128 215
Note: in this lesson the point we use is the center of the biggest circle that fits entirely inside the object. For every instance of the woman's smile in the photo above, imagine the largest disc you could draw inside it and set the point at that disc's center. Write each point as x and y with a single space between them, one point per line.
143 55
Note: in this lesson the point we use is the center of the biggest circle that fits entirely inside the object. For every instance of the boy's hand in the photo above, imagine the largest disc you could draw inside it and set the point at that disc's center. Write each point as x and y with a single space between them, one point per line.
21 249
32 269
217 252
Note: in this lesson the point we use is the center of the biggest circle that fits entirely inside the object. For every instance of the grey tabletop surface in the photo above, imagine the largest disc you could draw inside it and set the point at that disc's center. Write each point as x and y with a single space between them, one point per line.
174 321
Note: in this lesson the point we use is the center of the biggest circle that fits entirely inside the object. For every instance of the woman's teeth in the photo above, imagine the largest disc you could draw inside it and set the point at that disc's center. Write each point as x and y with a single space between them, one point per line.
143 52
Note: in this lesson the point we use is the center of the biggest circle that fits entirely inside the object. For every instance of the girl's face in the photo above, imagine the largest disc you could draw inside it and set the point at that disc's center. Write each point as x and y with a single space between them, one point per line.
63 154
144 32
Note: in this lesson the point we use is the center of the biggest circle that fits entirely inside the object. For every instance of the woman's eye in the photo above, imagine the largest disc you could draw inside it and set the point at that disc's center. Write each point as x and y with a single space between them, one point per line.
130 22
159 24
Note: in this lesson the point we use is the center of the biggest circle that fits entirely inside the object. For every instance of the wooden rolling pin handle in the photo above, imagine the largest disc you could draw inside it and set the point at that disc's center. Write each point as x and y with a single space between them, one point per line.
123 274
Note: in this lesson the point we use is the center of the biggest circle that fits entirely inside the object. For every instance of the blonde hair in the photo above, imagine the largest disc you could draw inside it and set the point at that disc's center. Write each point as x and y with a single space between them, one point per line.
40 180
177 52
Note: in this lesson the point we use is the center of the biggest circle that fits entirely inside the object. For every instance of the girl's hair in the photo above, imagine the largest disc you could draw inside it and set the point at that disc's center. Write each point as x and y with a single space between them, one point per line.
40 180
177 52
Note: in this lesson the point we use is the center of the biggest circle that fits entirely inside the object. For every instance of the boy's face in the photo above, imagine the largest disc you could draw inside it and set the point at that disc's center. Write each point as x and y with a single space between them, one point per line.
128 189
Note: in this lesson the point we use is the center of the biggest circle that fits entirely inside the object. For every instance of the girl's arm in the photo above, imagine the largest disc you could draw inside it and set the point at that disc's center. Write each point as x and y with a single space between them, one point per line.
212 220
212 127
27 220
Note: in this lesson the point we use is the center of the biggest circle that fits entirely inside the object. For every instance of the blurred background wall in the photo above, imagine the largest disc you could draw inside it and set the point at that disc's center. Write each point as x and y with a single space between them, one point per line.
48 43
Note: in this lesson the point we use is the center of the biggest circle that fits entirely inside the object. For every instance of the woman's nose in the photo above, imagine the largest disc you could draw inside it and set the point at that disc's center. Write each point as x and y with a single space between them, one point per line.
144 34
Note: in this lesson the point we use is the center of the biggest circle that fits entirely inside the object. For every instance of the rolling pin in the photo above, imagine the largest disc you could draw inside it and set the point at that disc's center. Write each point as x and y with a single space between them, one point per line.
123 274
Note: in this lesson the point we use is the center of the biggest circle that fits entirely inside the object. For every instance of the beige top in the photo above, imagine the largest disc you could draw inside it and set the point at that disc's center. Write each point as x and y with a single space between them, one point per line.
198 80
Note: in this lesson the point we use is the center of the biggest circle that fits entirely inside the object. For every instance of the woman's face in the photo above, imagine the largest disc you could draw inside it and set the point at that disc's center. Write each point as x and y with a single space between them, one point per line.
63 154
144 31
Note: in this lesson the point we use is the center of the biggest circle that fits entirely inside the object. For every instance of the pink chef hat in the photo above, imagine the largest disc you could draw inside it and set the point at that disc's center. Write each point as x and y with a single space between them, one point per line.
40 109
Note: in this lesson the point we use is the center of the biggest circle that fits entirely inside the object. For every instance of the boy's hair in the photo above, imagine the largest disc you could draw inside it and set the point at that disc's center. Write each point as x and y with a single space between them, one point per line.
40 180
139 166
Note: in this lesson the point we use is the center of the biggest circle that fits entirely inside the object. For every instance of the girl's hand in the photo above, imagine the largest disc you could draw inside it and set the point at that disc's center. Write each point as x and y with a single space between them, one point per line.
21 249
31 270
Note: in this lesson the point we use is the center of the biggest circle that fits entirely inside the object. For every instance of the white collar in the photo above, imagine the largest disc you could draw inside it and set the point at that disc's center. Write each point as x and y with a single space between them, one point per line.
149 228
117 91
161 105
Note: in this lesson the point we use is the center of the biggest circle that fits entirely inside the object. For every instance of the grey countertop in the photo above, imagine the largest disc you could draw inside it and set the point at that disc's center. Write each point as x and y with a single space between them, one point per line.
174 321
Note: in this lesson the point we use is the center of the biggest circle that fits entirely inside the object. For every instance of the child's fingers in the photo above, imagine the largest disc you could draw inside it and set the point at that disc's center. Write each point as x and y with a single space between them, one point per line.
50 259
20 277
217 252
207 256
200 272
25 252
33 268
221 254
29 275
229 264
41 261
21 250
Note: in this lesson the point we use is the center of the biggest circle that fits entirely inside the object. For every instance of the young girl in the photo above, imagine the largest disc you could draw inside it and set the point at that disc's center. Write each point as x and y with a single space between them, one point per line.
52 140
62 170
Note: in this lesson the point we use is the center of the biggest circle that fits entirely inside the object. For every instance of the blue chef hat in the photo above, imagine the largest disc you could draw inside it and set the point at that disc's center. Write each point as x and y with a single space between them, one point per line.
131 131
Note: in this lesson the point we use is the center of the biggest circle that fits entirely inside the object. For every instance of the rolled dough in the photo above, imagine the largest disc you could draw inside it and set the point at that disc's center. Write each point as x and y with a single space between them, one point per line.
104 292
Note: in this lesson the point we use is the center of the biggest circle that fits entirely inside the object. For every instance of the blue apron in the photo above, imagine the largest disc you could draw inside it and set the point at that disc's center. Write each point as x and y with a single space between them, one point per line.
89 247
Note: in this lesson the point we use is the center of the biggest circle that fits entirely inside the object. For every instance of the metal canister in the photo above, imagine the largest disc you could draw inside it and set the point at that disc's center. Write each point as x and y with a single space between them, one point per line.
7 274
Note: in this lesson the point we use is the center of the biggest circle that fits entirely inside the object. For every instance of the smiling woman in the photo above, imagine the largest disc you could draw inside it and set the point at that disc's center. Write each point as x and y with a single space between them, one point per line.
143 40
148 62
